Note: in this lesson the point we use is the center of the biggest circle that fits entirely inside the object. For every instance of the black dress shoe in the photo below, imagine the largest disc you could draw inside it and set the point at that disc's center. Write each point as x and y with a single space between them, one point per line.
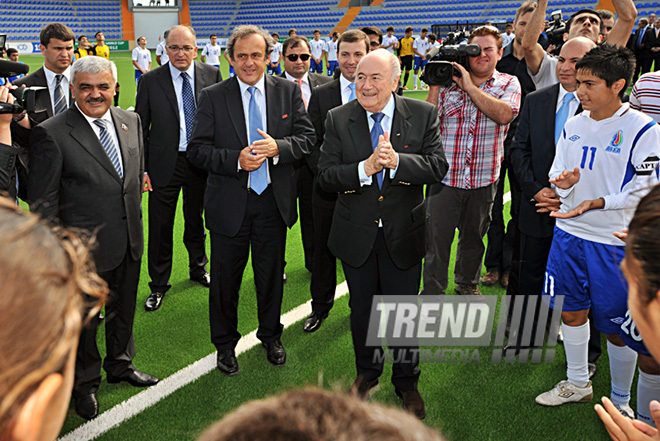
154 301
361 387
203 279
314 321
87 406
412 402
275 352
135 378
227 363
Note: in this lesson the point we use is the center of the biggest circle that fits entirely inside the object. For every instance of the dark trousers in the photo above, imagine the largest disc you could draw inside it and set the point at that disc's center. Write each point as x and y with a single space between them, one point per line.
305 185
263 232
324 272
162 210
119 313
379 276
499 251
639 64
450 208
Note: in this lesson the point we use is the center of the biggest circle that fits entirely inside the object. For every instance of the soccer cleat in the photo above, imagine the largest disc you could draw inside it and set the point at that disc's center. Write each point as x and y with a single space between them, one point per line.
626 411
565 392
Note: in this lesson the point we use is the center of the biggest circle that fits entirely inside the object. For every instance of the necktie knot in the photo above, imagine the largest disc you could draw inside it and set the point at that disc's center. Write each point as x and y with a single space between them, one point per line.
101 123
377 116
568 98
252 89
352 95
58 79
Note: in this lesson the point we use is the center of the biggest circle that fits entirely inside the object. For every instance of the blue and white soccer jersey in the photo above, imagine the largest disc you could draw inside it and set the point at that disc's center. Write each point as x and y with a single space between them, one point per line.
160 50
421 46
618 161
317 52
142 57
331 49
389 40
275 58
632 337
212 54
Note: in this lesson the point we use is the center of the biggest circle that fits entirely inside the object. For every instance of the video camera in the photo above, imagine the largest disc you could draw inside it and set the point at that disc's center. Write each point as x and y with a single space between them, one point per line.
556 29
33 99
439 71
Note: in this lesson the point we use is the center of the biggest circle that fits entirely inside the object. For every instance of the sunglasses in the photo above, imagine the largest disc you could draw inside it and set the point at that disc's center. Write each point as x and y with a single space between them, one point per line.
294 57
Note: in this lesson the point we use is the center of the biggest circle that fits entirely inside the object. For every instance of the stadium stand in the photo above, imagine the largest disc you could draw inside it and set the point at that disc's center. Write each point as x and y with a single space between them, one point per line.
23 19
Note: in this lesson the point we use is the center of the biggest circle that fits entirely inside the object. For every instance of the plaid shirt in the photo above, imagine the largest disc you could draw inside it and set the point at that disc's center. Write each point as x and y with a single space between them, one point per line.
474 143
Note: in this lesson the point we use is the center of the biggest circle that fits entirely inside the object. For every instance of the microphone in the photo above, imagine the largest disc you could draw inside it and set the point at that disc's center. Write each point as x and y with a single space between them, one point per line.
12 68
433 52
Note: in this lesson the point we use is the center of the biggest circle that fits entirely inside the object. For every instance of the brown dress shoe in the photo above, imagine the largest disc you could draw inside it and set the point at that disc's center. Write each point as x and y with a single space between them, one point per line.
467 290
504 281
361 387
412 402
491 278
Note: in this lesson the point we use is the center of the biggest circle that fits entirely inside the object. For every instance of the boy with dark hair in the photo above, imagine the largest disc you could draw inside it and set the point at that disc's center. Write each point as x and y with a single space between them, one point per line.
606 160
406 54
420 47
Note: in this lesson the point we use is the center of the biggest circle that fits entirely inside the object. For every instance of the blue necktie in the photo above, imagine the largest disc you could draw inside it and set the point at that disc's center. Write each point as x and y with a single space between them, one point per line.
562 116
376 131
189 105
641 35
351 97
258 177
109 146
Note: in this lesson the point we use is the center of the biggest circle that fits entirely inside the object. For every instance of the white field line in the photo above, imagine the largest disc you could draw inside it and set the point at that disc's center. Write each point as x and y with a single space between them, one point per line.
148 397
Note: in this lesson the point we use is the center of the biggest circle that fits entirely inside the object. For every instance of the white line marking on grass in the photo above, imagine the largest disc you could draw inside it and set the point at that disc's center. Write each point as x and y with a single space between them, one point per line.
147 398
506 198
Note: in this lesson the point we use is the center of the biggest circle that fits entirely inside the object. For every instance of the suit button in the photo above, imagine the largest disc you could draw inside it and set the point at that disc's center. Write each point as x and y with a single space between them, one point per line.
376 221
380 199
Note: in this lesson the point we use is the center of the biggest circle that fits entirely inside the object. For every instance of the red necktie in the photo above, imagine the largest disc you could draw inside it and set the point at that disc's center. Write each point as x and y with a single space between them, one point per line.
302 92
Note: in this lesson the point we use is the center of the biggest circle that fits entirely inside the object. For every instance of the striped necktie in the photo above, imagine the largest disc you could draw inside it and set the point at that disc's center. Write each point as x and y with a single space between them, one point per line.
109 146
58 95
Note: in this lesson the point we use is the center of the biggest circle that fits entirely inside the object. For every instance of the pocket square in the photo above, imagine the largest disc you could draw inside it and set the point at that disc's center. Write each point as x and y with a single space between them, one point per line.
286 115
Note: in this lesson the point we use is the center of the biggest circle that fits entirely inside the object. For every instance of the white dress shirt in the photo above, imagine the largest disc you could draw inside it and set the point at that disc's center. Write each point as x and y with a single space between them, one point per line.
177 81
110 127
51 80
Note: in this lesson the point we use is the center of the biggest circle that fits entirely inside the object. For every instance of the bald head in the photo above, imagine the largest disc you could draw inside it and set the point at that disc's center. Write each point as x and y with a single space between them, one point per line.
571 52
377 77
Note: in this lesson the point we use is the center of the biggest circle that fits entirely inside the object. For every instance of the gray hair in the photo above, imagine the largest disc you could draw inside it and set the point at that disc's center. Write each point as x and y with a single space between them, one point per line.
245 31
390 58
181 27
93 64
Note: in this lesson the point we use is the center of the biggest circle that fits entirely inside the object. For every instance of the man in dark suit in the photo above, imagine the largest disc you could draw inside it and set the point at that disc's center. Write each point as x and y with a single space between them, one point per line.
378 228
249 131
352 46
56 44
166 103
297 54
532 153
651 46
87 166
635 45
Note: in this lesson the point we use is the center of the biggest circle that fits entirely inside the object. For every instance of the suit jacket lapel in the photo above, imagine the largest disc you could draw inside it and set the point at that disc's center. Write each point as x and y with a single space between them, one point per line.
273 107
358 127
234 104
165 80
83 133
200 80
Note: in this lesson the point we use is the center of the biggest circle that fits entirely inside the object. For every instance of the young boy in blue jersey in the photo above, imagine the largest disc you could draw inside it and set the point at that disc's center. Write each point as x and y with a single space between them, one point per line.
606 160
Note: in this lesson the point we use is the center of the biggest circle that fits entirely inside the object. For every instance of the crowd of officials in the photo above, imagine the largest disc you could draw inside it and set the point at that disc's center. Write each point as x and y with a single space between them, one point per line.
350 156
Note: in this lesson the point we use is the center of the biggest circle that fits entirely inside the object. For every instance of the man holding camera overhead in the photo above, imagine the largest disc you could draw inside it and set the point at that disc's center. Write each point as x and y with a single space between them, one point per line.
475 112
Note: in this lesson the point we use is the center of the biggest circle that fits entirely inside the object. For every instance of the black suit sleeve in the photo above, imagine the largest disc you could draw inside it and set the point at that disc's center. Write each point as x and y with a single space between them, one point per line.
521 156
8 155
143 109
202 149
335 176
299 144
430 165
45 173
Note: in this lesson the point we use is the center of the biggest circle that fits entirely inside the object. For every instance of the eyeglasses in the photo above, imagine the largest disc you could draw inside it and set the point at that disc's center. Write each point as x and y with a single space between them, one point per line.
294 57
186 49
374 44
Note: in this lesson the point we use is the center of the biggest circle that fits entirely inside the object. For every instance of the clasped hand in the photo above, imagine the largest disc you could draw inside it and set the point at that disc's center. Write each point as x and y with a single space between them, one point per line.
383 156
252 156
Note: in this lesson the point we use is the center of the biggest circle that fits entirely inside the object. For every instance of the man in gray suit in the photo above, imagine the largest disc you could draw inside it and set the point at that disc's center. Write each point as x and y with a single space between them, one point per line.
87 172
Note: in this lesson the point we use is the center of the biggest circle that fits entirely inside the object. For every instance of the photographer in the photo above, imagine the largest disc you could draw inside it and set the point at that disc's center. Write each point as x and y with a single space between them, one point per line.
475 112
8 152
586 23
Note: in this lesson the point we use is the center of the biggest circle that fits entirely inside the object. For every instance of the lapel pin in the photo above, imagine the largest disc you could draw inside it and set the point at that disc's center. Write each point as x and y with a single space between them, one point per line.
124 127
285 115
405 147
398 134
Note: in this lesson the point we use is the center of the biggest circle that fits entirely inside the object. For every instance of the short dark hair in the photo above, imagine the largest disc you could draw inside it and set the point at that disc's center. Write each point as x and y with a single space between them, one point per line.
81 37
99 32
12 50
604 13
293 42
315 31
139 38
292 31
424 30
373 30
432 37
524 9
569 23
213 35
353 35
409 29
275 34
55 30
389 28
245 31
610 63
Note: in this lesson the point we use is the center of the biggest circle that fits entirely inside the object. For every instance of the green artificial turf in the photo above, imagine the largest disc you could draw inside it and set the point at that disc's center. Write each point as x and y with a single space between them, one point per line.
478 401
